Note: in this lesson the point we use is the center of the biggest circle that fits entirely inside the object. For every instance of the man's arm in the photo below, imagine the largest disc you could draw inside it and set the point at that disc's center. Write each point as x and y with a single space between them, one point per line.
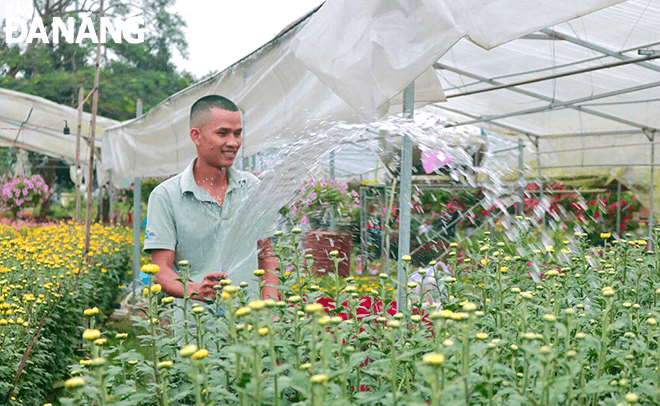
268 263
167 278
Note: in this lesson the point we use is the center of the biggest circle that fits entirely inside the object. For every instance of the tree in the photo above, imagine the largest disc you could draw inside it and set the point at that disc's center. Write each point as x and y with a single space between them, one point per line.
128 71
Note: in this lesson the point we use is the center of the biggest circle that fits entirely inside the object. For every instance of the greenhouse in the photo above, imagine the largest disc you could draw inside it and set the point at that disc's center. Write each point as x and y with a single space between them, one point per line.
448 204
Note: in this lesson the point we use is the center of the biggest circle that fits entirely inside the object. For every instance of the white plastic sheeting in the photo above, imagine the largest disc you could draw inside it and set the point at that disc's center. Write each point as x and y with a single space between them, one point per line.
279 97
43 131
282 99
368 51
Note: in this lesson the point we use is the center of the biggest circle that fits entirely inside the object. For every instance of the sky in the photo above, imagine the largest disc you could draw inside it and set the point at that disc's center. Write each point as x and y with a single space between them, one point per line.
221 32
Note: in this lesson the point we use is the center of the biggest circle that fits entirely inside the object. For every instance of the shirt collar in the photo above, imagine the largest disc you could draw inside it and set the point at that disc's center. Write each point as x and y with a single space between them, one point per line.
236 179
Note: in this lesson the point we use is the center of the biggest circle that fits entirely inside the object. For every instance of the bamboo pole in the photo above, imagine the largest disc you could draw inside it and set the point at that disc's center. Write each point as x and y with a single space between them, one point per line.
95 107
81 97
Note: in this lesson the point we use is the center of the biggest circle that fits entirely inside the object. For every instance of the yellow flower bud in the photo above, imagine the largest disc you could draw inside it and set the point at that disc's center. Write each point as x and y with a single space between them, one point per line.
434 359
91 312
313 308
91 335
257 304
319 379
150 269
188 350
165 364
200 354
73 383
243 311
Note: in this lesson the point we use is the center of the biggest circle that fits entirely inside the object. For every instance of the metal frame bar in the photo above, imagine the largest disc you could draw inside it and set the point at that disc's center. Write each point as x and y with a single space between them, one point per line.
596 48
555 76
573 104
594 166
593 134
405 196
505 126
637 144
554 103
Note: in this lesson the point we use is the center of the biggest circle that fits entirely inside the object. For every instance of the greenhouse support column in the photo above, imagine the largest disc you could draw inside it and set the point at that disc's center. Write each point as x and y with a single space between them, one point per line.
111 194
538 165
618 207
333 218
137 220
652 187
363 229
521 205
406 194
81 97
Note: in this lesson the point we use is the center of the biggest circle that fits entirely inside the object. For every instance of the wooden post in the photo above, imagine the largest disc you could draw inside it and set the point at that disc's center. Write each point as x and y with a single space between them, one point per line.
81 97
95 107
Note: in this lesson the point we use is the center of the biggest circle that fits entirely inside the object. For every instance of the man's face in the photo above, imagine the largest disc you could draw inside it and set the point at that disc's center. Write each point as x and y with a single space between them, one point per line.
219 138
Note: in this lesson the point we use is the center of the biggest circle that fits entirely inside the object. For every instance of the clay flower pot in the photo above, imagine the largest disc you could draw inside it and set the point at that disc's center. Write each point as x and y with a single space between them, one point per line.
320 243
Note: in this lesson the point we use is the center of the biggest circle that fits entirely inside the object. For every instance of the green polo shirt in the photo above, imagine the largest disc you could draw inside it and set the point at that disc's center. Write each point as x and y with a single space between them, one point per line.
184 218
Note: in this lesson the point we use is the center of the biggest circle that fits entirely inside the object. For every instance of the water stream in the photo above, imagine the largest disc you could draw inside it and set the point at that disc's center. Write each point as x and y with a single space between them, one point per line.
309 156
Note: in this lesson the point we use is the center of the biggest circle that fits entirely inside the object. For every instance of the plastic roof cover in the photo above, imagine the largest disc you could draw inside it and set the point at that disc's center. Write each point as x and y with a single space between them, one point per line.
595 123
43 131
281 97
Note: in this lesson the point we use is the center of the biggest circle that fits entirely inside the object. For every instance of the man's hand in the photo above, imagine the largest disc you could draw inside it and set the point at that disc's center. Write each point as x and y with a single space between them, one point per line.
204 291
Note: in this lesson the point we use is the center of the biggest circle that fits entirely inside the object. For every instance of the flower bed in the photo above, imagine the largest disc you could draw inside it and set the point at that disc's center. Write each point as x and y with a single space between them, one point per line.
546 325
43 290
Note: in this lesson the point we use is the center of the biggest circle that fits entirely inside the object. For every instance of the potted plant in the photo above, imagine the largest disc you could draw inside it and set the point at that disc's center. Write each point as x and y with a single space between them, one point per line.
325 207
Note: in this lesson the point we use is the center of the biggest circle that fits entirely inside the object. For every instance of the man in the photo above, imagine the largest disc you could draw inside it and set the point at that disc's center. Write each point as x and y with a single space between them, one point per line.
188 214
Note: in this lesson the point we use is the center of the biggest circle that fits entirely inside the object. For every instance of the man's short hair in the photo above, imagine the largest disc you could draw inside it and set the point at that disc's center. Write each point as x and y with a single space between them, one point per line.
206 103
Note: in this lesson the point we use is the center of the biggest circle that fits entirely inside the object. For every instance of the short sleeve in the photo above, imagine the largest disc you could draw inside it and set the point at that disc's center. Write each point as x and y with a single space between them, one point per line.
161 227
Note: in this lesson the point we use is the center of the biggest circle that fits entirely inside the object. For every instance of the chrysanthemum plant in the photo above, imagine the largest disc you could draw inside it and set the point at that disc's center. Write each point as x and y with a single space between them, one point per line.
546 325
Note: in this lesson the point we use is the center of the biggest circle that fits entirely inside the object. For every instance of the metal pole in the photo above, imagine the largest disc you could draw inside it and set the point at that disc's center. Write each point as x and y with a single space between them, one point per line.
95 107
538 164
333 218
137 220
652 187
618 207
405 207
363 229
111 195
521 205
81 97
